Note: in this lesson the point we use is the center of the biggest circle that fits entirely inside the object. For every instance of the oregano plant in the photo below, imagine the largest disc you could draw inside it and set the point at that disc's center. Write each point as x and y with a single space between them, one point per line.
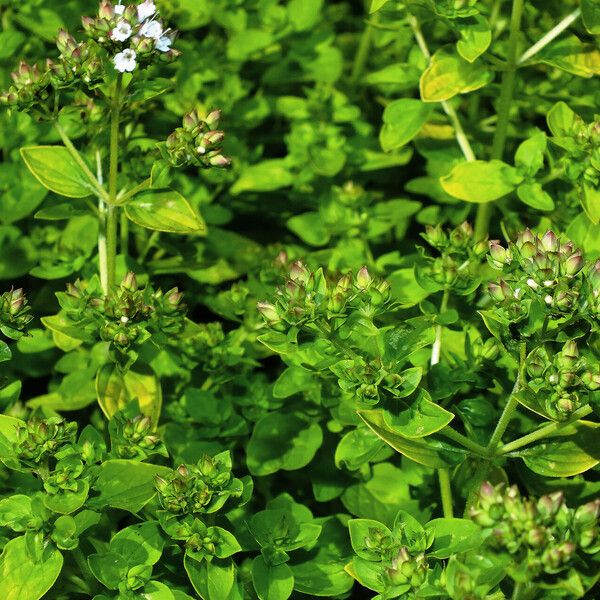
349 350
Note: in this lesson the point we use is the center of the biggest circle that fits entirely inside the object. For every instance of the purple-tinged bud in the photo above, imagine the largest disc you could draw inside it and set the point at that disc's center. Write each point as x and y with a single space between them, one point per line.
525 237
550 504
363 278
487 493
17 301
586 516
595 275
537 537
268 312
344 285
500 256
172 141
213 118
173 297
562 301
336 303
183 470
565 405
191 121
88 23
299 273
496 292
567 249
573 264
106 10
435 235
591 380
129 282
550 242
570 351
220 161
528 249
213 138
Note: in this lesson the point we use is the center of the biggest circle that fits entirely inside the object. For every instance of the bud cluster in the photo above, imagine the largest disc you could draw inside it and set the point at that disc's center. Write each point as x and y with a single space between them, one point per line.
542 269
197 142
135 438
307 296
65 475
582 143
544 536
459 260
128 316
563 381
199 489
133 35
40 439
14 313
29 88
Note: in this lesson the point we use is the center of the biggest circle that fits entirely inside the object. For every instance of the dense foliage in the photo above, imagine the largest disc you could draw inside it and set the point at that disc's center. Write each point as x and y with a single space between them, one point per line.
348 348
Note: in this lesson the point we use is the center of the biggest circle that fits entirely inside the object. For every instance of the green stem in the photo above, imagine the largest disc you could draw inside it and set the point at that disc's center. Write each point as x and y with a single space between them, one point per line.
102 261
446 492
550 36
152 239
124 235
517 591
544 432
112 215
484 211
478 478
436 349
459 132
98 189
464 441
511 406
362 53
135 190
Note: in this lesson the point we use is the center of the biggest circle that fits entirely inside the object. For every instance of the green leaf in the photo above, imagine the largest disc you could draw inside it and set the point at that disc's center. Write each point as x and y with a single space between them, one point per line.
356 448
115 390
402 121
109 569
585 235
304 14
165 210
282 441
212 580
428 452
561 119
125 484
566 455
227 544
533 195
23 577
420 418
265 176
310 228
475 37
573 56
140 544
529 157
449 74
590 12
377 5
57 170
480 181
590 200
272 582
452 536
16 512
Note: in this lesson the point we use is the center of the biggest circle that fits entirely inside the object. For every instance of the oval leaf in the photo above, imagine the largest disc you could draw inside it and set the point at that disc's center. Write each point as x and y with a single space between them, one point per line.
165 211
56 169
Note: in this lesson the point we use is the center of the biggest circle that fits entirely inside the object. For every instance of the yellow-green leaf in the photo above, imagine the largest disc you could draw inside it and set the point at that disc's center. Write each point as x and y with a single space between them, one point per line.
573 56
402 120
167 211
115 390
449 74
57 170
480 181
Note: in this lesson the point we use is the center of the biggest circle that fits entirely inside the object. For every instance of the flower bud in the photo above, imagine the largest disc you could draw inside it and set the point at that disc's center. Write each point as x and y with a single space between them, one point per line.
269 312
549 242
363 278
213 118
299 273
550 504
220 161
586 516
106 10
573 264
129 282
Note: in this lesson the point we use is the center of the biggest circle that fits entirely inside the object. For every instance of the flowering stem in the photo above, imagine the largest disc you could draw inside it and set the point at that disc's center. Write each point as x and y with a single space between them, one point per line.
111 215
362 54
550 36
484 211
134 190
101 229
459 132
544 432
443 474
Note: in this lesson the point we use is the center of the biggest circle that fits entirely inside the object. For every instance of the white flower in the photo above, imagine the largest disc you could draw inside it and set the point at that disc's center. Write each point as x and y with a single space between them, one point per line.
119 9
151 29
201 150
164 43
145 10
125 61
122 31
